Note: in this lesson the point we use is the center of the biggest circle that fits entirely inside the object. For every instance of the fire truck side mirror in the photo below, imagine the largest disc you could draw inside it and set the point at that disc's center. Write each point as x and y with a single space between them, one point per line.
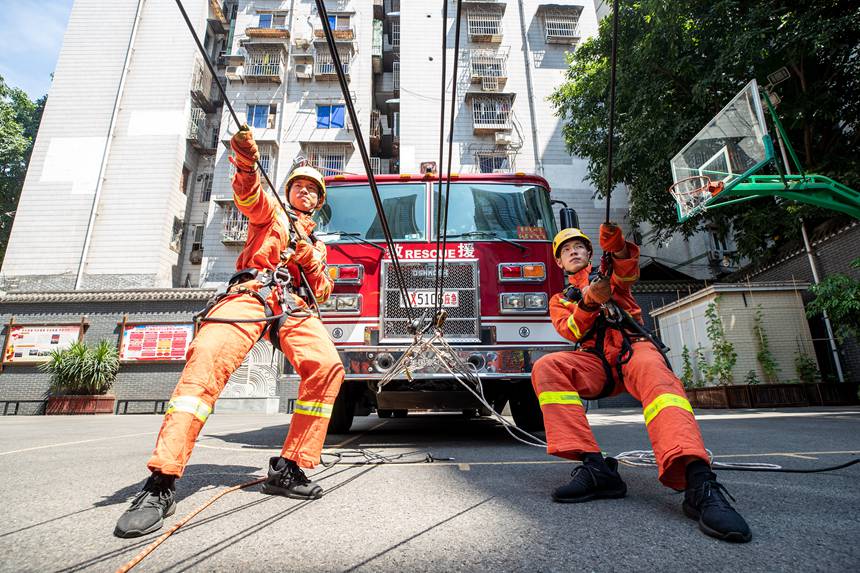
568 218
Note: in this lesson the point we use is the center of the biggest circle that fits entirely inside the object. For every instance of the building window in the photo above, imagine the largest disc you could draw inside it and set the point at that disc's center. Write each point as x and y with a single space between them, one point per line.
183 182
324 63
396 124
494 163
561 25
330 116
329 159
338 21
266 157
491 112
206 187
262 115
273 20
197 233
176 235
395 33
485 22
234 228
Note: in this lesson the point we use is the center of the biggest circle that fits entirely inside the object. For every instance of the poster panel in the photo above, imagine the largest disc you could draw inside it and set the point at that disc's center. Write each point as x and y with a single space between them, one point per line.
34 343
155 342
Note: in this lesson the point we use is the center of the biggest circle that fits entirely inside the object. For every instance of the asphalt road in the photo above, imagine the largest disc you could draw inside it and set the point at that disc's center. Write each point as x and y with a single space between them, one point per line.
64 481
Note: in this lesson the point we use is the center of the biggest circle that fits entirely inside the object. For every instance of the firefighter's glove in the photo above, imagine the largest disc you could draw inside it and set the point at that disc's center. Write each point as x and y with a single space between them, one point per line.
572 293
611 238
245 148
596 294
305 256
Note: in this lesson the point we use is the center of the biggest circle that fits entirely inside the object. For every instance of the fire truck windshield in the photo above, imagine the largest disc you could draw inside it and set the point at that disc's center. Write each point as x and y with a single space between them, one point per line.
479 210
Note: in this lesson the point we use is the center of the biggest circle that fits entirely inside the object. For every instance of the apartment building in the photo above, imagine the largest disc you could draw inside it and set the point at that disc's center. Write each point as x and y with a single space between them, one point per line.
129 182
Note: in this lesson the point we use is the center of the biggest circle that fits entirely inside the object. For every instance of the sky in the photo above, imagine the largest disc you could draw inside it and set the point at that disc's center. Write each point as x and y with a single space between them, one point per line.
31 35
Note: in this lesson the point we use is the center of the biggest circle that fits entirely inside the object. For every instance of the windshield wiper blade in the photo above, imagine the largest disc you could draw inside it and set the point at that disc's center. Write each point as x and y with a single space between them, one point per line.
356 237
488 234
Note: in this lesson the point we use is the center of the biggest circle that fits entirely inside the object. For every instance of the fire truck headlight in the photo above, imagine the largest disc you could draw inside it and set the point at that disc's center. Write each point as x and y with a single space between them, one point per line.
535 301
329 305
348 303
513 301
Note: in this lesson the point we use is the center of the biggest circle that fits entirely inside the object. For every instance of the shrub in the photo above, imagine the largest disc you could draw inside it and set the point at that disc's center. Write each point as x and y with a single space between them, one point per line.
83 370
807 369
725 356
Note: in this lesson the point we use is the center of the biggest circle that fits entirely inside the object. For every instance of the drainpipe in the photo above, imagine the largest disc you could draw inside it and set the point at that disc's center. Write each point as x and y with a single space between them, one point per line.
106 152
530 88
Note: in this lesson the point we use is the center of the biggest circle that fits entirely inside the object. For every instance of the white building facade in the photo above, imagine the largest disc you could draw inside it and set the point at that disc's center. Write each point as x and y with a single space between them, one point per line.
129 182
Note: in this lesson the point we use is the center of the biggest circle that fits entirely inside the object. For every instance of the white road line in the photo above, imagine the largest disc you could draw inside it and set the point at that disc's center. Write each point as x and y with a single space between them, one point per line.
464 467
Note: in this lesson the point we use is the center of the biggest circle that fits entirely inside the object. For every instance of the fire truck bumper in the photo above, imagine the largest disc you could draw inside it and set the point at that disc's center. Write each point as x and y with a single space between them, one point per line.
503 362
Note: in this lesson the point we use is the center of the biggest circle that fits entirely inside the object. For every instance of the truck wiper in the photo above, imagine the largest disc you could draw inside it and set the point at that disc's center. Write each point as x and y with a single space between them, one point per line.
488 234
355 237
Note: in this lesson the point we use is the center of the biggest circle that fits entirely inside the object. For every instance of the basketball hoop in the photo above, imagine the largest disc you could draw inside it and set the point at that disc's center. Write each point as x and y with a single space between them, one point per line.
692 194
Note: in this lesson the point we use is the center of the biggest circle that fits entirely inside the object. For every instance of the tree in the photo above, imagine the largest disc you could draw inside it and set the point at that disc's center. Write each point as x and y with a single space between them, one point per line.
679 63
19 122
838 295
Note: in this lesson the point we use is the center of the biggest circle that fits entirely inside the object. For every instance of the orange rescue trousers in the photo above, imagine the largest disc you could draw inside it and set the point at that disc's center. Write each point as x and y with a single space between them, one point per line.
563 379
218 350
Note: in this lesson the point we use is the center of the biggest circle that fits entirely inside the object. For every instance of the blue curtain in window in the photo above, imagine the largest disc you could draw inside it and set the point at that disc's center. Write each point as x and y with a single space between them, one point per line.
323 116
337 116
332 22
265 20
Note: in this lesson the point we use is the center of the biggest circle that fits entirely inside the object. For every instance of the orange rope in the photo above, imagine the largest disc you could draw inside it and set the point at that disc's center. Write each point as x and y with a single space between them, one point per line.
152 546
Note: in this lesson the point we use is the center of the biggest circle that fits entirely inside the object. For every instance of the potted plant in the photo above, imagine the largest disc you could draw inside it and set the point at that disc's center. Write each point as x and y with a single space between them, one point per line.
81 377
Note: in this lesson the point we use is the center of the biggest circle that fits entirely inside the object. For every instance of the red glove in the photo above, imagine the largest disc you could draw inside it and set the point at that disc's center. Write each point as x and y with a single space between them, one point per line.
304 256
597 293
611 238
245 147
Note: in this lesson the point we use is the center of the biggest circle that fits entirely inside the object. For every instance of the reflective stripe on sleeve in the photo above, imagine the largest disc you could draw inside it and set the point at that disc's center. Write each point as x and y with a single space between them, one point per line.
571 324
249 201
631 278
559 398
665 401
190 405
319 409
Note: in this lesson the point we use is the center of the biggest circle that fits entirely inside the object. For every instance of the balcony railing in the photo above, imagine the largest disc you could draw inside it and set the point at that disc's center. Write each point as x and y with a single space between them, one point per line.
488 64
234 229
396 76
201 83
324 63
198 129
265 65
395 33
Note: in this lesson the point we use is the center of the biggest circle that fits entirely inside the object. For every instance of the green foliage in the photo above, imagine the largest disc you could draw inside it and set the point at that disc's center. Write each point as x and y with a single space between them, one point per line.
807 369
82 369
764 356
679 63
705 368
838 295
19 122
725 356
751 378
688 375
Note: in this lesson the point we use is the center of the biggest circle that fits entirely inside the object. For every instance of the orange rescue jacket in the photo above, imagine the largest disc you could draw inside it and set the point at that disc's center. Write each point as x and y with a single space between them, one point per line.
269 235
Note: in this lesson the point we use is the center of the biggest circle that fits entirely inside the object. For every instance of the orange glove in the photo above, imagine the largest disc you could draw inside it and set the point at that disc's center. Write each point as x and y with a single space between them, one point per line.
611 238
596 294
245 147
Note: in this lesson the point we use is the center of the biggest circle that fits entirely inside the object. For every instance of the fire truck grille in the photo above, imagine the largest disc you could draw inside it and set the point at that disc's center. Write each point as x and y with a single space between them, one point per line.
463 323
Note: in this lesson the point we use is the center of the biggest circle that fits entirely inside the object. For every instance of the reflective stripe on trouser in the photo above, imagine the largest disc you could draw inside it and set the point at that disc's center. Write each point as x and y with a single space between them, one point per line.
672 428
216 352
308 347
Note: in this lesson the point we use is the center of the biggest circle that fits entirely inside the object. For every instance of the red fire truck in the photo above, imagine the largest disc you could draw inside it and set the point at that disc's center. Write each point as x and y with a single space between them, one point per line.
499 275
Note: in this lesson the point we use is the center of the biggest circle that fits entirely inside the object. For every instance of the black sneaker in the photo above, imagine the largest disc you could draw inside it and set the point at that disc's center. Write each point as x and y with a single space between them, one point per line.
287 478
707 504
591 481
149 508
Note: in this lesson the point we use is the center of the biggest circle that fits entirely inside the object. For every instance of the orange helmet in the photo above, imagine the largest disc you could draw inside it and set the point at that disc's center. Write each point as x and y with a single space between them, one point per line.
311 174
566 235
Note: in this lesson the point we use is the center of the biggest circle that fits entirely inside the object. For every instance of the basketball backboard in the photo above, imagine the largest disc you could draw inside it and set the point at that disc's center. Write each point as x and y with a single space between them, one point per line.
733 146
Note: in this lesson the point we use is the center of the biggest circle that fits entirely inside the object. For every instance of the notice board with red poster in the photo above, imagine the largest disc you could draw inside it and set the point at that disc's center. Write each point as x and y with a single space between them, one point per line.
33 343
166 342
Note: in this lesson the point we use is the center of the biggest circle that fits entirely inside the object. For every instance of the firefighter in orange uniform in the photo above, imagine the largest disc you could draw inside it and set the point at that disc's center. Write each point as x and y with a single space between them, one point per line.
266 287
615 354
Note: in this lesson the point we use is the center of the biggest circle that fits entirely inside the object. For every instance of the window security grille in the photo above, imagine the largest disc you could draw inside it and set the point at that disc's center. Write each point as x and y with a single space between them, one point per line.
329 159
395 34
561 25
264 63
266 155
491 112
488 64
324 63
494 162
396 75
234 228
375 165
206 187
484 22
196 124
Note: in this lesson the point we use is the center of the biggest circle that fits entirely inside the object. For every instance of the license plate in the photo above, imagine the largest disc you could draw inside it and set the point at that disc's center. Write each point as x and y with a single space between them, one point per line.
427 299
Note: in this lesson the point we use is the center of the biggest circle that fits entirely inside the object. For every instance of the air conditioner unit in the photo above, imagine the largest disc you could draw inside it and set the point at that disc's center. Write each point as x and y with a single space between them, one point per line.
301 43
233 73
304 71
503 138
